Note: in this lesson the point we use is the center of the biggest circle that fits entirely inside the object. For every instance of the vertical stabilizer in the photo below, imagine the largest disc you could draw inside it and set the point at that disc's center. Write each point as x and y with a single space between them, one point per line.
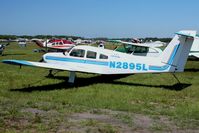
177 51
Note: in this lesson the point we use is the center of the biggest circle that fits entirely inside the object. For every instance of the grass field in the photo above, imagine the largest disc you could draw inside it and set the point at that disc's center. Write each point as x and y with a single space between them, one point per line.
31 102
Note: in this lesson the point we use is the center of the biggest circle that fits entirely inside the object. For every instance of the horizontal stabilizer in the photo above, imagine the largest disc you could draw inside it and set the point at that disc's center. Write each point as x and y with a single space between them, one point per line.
190 34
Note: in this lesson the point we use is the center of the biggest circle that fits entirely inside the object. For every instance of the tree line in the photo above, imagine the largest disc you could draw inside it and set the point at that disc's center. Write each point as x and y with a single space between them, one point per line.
13 37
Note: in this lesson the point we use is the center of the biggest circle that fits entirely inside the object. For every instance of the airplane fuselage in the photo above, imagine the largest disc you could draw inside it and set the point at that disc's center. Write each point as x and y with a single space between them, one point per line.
102 61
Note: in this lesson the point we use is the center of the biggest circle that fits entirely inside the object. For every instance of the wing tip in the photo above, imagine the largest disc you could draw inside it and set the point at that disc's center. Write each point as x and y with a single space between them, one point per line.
17 62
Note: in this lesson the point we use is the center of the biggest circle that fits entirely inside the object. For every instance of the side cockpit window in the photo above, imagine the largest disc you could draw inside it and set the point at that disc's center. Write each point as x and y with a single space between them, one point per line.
91 55
102 56
77 53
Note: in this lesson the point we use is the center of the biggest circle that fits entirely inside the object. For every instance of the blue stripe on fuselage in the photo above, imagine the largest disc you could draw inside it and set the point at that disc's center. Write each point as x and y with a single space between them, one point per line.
64 59
93 62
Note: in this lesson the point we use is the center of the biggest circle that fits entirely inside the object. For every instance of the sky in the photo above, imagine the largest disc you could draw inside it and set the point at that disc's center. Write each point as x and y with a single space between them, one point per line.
98 18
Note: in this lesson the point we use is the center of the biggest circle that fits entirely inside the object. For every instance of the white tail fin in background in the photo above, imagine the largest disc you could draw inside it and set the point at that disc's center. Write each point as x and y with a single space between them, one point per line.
195 46
177 51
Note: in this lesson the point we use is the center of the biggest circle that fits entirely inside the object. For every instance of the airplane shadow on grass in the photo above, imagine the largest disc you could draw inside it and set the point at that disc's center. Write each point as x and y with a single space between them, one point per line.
108 79
191 70
13 54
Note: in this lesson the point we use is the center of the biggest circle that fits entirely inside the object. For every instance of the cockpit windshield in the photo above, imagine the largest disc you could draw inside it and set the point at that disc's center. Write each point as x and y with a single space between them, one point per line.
77 53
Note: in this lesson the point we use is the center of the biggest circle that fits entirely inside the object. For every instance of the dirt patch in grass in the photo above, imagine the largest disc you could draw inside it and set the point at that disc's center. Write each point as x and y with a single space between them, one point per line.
142 122
99 120
109 121
96 120
119 121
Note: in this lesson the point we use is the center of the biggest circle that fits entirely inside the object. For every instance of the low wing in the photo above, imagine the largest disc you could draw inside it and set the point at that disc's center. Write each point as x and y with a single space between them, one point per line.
38 64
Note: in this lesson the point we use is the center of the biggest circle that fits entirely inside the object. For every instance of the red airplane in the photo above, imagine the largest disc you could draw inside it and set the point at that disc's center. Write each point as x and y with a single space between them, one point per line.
56 44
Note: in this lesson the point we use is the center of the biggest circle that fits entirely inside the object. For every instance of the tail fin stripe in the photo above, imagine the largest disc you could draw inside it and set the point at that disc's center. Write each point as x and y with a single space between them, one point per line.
173 54
165 67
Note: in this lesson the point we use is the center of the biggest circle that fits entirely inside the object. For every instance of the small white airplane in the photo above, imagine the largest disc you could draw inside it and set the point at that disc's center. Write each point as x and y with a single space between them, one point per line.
57 44
88 59
2 48
139 49
195 48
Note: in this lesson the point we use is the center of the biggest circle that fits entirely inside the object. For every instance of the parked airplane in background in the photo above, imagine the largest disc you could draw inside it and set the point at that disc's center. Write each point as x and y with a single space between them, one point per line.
90 59
195 48
2 47
57 44
151 48
149 43
139 49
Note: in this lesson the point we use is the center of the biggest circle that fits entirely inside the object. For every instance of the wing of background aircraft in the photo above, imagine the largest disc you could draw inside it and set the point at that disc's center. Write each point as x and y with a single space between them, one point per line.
129 43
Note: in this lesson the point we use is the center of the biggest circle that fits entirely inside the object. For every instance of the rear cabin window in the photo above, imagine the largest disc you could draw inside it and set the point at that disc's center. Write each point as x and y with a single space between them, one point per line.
102 56
91 55
77 53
